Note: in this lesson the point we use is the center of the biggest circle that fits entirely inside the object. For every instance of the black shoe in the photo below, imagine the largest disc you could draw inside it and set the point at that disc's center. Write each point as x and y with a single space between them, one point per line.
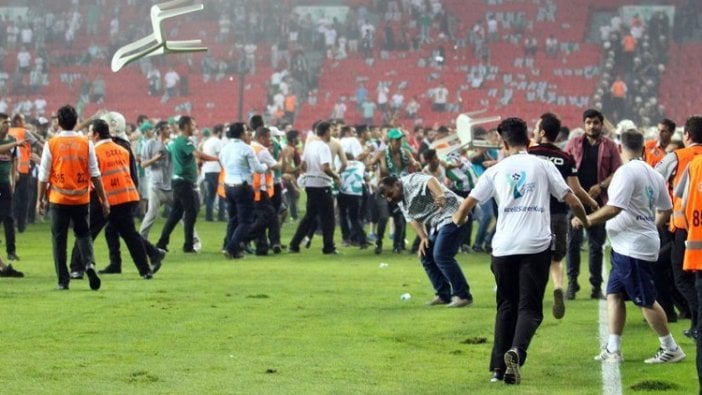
148 276
332 252
245 247
397 250
162 247
157 260
308 243
690 333
573 288
76 275
111 269
478 249
558 304
93 278
189 251
378 250
277 249
262 253
11 272
13 257
62 287
364 246
597 294
294 250
512 375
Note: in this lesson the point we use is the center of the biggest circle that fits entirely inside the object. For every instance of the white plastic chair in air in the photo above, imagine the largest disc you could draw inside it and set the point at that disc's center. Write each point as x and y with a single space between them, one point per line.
463 138
154 43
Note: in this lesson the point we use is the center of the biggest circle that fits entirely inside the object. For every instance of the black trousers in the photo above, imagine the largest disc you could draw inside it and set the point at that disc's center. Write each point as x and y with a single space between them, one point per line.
596 236
350 218
320 204
7 217
684 281
385 210
61 217
521 282
112 240
122 219
186 204
266 223
22 201
668 295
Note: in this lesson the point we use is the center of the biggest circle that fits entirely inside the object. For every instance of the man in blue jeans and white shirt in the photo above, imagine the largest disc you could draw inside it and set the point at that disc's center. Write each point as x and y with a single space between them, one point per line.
522 185
428 206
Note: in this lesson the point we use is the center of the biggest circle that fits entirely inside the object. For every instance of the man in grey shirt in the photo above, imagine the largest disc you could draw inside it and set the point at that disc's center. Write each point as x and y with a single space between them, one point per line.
157 164
428 206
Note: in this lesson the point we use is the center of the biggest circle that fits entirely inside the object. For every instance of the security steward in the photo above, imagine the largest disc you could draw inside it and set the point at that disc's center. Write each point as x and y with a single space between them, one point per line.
690 191
23 182
672 167
122 195
267 220
69 163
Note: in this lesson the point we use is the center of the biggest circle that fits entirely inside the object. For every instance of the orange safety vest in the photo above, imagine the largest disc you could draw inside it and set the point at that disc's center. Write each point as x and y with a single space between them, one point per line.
290 103
629 43
24 150
653 153
220 185
619 89
70 172
685 156
113 161
257 177
693 214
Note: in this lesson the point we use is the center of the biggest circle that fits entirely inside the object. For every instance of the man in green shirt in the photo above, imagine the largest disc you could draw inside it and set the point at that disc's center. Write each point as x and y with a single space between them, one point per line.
186 201
8 167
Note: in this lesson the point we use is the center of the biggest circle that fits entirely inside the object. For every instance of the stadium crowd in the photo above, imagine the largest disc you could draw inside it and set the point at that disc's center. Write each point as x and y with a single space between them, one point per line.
251 175
366 175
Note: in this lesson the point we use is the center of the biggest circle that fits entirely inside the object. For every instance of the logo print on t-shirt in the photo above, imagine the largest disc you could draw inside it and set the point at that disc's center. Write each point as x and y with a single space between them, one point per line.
517 181
650 197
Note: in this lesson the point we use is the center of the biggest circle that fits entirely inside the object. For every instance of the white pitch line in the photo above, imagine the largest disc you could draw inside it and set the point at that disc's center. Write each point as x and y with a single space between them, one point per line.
611 377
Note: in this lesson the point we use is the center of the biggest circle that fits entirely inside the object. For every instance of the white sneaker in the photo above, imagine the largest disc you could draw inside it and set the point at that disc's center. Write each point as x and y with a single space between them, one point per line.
611 357
667 356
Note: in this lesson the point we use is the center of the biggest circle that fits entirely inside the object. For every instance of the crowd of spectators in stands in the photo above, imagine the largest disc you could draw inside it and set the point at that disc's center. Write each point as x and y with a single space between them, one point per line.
636 54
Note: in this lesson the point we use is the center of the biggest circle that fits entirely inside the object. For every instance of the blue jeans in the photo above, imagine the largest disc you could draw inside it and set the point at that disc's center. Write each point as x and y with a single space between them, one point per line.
440 263
211 183
484 216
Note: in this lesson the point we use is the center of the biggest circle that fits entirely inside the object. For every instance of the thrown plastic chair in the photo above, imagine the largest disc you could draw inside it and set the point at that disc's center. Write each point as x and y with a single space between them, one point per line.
154 43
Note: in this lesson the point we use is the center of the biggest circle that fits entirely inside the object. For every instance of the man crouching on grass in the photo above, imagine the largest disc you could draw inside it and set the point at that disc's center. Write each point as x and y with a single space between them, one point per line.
428 206
522 184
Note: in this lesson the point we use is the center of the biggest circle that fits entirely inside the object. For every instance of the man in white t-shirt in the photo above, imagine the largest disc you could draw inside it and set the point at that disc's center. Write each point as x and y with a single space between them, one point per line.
318 178
24 59
212 146
383 93
350 143
638 201
439 98
171 79
350 199
522 184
